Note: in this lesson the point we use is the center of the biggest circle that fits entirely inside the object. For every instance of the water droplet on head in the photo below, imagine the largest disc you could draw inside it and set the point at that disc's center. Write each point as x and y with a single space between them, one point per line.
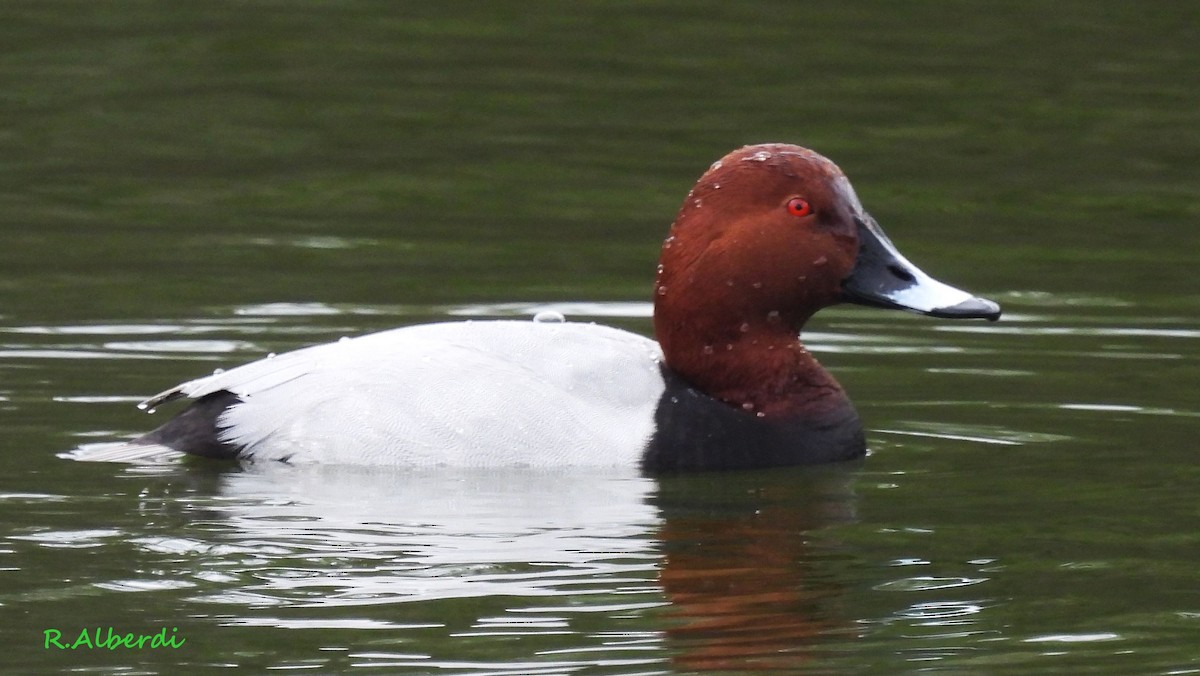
715 165
696 203
708 349
760 414
745 327
760 156
716 186
757 285
549 317
773 317
821 261
729 282
662 290
747 406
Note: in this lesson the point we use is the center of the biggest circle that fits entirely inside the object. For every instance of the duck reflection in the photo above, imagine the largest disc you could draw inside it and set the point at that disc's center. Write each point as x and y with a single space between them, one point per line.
712 572
745 569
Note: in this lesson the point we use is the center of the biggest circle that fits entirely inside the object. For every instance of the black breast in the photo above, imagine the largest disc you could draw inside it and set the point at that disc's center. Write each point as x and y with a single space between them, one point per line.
694 431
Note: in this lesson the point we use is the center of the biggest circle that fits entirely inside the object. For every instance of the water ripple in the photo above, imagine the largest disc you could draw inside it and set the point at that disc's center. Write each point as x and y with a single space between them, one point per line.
928 583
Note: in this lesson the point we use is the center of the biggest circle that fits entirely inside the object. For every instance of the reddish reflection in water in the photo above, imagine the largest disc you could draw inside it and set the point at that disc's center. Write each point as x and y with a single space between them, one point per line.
750 587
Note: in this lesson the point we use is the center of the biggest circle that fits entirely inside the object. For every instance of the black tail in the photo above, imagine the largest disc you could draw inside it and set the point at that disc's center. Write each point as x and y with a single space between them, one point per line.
195 430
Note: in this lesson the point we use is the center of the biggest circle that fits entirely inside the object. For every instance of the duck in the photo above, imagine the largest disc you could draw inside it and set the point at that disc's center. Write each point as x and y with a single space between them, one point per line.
769 235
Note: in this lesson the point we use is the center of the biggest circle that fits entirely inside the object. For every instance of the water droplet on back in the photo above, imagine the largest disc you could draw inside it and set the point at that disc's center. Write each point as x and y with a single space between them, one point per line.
549 317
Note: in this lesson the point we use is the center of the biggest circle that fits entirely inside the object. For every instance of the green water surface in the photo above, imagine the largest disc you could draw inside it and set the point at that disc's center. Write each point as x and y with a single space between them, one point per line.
187 186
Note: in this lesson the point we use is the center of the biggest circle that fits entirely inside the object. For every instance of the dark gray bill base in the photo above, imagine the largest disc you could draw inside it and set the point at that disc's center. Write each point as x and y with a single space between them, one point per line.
882 277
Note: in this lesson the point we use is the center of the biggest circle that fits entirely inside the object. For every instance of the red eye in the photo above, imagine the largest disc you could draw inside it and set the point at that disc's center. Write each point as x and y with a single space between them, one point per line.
799 207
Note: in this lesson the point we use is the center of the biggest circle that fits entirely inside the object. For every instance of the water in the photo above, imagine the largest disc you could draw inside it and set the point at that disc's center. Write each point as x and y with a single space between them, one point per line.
187 188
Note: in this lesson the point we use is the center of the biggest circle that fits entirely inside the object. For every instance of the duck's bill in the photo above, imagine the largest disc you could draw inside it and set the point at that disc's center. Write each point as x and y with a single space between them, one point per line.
884 278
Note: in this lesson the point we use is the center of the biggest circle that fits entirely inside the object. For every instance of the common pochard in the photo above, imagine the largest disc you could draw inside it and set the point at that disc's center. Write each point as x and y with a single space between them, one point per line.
769 235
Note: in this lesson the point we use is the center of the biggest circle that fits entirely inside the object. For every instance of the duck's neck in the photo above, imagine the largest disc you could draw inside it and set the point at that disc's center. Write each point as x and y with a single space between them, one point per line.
759 367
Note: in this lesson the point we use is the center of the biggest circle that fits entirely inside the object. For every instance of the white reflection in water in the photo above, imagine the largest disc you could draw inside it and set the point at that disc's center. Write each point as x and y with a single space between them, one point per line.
70 539
201 346
338 536
287 310
942 612
1109 331
1074 638
928 583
